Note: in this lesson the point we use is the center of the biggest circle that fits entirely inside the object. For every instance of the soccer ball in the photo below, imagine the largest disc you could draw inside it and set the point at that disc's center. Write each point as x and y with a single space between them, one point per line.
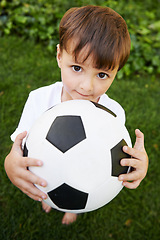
80 144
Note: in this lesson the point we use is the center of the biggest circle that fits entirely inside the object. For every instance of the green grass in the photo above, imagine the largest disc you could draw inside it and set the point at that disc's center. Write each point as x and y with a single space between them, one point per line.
133 214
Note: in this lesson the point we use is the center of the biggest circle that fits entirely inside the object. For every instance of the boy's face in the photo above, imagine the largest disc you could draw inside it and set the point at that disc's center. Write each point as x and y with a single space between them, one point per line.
82 80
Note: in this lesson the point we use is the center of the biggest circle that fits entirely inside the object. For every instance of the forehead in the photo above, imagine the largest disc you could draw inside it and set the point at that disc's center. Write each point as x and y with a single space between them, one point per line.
85 56
81 59
82 54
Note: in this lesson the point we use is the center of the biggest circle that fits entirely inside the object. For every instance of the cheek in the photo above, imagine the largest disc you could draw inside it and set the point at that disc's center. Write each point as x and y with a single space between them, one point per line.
108 84
64 75
67 79
102 88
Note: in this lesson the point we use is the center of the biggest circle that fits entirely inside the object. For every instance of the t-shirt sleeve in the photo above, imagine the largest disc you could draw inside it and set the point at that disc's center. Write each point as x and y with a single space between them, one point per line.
38 102
114 107
27 118
121 114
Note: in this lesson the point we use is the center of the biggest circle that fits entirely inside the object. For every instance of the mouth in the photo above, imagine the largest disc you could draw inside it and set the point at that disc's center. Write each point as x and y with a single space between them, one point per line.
83 95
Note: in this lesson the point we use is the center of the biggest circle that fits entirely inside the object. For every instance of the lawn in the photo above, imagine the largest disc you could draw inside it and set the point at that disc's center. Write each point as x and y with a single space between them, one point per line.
133 214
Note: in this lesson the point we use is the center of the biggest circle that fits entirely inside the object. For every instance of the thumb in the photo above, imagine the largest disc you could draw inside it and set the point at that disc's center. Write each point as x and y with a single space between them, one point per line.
139 144
18 141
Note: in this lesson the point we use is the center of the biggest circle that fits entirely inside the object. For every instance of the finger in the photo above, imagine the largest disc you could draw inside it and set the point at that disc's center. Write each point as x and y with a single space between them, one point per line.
28 162
132 176
20 137
29 177
18 140
139 144
131 185
135 153
130 162
33 192
36 198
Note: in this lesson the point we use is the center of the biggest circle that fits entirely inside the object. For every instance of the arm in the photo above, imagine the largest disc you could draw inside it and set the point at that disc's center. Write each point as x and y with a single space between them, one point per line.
139 162
16 168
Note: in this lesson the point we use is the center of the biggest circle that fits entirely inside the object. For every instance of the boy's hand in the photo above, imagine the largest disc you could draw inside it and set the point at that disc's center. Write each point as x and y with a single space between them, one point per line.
16 169
139 162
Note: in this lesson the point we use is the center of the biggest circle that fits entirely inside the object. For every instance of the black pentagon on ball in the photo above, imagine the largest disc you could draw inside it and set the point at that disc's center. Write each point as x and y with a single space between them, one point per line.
65 132
117 154
104 108
25 151
69 198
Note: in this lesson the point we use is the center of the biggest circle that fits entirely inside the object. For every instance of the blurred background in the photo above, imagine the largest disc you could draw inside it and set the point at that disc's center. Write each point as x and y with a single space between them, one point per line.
28 39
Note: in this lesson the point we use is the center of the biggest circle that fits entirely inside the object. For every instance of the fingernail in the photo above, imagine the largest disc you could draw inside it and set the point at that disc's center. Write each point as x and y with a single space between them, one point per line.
44 197
125 148
39 163
122 162
121 178
43 184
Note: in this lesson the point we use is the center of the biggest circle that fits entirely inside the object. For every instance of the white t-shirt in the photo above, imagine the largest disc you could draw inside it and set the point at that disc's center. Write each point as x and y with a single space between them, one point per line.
46 97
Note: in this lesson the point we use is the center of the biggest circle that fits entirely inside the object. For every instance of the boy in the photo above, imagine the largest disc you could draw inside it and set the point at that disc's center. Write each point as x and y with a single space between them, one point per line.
94 45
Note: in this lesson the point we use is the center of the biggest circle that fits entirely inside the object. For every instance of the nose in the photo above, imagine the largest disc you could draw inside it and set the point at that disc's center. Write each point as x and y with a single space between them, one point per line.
86 84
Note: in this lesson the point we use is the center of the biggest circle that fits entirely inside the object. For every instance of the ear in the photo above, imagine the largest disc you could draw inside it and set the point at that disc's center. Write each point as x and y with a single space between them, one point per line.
59 56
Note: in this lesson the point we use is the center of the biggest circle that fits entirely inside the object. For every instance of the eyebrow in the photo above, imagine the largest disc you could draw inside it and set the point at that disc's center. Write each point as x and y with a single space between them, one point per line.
82 63
100 70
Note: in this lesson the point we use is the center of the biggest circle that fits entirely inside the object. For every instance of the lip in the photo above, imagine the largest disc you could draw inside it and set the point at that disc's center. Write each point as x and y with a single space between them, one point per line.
83 95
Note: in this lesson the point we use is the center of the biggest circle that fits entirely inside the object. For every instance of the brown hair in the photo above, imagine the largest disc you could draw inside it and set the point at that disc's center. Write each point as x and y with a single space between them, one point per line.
103 31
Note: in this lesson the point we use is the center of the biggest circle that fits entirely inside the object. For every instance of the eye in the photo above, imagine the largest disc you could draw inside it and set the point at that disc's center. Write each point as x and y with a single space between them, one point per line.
76 68
102 75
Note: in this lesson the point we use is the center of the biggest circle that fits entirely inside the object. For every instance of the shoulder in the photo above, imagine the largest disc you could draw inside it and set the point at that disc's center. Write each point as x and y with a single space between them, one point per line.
47 96
46 89
113 106
38 102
